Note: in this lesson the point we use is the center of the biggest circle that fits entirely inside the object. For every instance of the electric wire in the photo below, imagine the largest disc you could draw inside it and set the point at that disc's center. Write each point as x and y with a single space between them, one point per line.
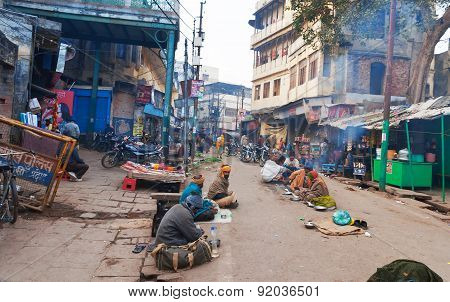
186 9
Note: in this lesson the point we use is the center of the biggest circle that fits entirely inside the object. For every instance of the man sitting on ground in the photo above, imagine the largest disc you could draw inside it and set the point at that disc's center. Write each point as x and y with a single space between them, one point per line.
298 177
273 169
178 227
292 163
209 210
316 193
218 191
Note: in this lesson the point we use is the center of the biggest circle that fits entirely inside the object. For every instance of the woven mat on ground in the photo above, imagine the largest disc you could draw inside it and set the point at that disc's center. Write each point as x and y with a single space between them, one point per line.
223 216
328 227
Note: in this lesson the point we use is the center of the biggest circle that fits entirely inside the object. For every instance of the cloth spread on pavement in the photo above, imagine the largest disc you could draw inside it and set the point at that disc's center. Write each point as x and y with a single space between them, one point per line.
328 227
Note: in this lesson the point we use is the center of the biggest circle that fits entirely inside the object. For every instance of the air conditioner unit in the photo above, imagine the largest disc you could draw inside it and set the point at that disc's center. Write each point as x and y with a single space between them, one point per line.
196 61
198 42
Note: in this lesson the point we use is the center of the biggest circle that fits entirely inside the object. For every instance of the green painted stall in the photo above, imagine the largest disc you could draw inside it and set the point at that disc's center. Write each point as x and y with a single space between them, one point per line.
398 173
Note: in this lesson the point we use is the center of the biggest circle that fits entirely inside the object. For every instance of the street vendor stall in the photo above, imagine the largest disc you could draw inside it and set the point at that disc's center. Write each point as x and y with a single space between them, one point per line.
404 174
40 171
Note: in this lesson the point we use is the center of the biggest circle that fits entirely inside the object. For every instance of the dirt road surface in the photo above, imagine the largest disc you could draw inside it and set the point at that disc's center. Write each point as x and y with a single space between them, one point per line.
267 242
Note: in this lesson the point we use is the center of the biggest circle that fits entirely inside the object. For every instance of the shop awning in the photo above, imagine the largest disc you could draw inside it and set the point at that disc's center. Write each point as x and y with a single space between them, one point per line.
152 110
374 120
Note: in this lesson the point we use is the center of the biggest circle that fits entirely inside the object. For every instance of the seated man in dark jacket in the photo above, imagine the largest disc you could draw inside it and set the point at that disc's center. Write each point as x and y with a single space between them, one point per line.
178 227
76 167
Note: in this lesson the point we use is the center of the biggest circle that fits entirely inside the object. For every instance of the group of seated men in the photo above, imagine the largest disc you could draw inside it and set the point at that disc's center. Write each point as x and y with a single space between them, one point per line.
177 226
304 182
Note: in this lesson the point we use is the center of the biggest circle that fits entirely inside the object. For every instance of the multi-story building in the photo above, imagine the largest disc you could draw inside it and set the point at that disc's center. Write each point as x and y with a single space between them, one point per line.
8 59
223 107
296 83
120 47
442 74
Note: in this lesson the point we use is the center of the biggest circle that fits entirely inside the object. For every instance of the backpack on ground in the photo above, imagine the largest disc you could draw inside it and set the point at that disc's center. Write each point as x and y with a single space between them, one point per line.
182 257
405 271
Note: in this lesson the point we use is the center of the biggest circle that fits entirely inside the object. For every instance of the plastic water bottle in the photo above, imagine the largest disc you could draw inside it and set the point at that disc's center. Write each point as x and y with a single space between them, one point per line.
215 250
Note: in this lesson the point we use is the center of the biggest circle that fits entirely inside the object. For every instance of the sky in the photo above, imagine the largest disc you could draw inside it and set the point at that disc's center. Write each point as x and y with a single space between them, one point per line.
227 37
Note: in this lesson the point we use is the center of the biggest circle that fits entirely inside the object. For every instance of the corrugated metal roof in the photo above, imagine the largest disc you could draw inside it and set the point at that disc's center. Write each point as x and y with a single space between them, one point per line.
374 120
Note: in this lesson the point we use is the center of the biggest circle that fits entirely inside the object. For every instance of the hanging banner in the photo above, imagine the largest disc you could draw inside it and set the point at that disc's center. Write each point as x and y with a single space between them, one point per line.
64 102
144 94
197 89
340 111
277 134
158 99
138 126
312 114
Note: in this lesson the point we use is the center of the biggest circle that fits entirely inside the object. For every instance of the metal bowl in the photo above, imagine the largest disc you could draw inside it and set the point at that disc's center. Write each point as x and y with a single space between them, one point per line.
310 225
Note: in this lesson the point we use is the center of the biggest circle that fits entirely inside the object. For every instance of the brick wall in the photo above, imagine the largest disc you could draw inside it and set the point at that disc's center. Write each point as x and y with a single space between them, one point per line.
6 89
358 74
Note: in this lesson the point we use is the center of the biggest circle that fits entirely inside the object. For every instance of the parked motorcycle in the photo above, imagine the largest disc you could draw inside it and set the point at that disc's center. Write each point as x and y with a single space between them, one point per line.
231 149
246 153
264 156
130 150
104 142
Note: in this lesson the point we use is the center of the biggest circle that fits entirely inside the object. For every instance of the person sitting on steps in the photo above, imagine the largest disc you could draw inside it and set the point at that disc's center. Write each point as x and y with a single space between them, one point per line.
218 191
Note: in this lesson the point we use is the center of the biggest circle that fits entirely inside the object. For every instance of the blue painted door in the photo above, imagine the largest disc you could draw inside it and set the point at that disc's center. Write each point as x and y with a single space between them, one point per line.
81 109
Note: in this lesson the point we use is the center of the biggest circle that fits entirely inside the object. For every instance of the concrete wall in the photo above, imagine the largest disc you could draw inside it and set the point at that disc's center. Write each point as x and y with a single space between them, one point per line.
442 74
19 31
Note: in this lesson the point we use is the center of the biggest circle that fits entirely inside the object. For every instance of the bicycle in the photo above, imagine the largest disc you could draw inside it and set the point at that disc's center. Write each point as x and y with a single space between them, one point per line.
9 199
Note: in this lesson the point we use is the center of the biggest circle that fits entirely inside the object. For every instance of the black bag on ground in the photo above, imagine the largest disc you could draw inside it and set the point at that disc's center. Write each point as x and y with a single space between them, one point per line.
405 271
187 256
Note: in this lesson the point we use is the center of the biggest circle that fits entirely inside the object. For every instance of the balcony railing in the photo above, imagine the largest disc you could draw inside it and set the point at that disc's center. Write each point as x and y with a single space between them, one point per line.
271 67
273 28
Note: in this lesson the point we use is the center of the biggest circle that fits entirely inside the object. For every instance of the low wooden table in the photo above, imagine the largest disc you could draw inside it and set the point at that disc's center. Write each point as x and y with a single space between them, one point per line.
164 201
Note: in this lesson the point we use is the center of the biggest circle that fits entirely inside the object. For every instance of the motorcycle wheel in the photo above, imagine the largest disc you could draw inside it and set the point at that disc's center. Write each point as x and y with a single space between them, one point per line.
110 160
262 162
247 158
227 151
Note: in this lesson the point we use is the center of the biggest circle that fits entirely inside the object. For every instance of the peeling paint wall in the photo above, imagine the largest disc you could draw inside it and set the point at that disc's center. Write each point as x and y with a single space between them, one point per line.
19 30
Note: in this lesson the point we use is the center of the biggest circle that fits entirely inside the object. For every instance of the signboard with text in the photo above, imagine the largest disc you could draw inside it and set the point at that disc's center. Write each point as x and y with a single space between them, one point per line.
37 169
197 89
144 94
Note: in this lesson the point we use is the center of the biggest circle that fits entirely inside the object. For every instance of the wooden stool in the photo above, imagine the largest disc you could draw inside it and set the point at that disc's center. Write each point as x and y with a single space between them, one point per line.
129 184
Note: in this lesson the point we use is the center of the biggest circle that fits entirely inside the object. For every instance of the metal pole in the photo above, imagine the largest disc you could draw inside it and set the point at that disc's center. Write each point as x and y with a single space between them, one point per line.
409 155
186 107
237 112
168 92
387 97
443 156
94 93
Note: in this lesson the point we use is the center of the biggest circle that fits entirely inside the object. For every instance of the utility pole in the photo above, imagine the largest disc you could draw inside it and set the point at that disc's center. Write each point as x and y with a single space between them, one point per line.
199 47
186 105
387 96
237 111
200 34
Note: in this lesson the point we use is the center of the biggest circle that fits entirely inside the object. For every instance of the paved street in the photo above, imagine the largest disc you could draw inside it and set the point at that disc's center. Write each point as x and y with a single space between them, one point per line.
265 242
60 246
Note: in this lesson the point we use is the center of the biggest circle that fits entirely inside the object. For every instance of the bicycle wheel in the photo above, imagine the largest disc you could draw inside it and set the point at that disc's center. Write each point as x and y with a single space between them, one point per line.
11 205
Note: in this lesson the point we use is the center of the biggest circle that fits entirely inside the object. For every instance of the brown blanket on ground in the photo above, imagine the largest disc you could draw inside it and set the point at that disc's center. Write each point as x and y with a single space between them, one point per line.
328 227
